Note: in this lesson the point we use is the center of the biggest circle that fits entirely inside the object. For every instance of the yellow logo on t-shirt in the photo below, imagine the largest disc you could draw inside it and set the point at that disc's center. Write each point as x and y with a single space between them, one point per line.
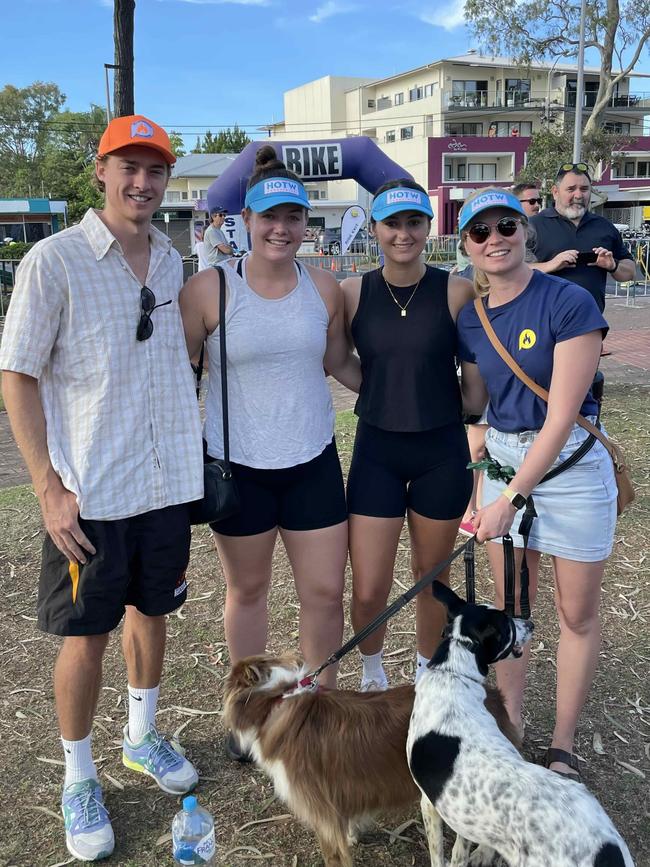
527 339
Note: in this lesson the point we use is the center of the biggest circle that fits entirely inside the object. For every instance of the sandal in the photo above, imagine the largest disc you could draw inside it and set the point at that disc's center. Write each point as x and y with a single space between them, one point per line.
554 754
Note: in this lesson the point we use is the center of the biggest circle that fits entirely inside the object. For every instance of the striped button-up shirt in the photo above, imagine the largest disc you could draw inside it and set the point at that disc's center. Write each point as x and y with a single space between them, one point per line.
123 428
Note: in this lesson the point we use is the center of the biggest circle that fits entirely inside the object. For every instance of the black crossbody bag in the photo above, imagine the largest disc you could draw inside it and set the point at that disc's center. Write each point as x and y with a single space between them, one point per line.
220 496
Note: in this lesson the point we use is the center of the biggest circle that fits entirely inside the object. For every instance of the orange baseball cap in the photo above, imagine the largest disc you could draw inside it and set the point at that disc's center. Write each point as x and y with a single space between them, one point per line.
134 129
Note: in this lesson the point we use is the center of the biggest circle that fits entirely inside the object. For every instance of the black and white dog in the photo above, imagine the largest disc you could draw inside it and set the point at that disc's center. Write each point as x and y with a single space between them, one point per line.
484 790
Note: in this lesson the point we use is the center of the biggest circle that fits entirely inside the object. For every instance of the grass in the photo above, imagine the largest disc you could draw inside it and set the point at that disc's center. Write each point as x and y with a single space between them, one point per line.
614 734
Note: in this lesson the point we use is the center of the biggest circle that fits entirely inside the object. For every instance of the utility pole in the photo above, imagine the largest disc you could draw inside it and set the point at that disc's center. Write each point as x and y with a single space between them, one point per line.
580 87
108 66
123 16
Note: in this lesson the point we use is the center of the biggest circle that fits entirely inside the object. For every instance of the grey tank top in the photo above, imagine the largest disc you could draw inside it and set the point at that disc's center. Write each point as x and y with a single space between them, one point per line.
279 403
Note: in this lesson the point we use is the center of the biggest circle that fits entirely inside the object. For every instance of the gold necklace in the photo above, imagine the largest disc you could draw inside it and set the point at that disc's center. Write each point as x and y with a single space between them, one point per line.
392 294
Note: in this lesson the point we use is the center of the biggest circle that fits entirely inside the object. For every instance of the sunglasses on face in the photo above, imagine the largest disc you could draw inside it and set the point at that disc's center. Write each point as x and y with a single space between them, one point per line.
480 232
532 201
581 168
147 307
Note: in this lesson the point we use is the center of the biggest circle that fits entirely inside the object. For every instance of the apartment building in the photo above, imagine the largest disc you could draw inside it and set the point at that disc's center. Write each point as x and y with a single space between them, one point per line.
463 122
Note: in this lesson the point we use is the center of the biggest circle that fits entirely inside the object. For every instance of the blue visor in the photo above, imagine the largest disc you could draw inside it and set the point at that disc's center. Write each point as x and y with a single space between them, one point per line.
491 199
276 191
400 199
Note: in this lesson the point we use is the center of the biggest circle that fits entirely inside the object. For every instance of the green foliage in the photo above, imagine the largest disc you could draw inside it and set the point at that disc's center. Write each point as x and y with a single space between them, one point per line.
176 141
228 141
534 30
15 250
548 149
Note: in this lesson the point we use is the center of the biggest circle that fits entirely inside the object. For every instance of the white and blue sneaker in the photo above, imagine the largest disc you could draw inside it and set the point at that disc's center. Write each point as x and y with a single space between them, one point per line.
155 757
88 831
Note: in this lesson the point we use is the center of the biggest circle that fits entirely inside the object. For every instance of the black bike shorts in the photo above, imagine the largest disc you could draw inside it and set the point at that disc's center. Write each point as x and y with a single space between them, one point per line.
308 496
423 471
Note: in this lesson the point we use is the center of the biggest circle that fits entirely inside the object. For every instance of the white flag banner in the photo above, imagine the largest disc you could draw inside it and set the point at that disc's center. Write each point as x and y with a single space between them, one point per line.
352 220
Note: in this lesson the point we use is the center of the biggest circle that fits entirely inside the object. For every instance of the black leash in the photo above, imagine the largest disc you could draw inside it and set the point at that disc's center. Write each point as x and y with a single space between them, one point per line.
386 614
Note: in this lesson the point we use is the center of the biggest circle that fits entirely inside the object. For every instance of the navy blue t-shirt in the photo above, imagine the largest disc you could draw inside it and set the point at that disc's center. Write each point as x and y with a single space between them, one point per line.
548 311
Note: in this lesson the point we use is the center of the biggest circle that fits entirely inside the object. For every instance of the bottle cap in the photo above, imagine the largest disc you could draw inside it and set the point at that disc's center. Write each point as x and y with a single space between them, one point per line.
189 803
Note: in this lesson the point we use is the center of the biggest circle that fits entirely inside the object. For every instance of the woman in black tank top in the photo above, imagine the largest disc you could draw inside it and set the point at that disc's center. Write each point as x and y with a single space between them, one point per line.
410 452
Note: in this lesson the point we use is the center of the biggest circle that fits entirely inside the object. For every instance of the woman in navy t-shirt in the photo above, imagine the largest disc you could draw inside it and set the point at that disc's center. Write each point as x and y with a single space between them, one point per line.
553 330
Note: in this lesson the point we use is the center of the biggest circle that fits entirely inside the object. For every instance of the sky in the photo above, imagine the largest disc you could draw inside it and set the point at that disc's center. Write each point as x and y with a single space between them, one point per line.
208 64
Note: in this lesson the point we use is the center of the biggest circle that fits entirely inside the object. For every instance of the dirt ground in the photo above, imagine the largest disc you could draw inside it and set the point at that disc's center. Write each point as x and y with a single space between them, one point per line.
252 827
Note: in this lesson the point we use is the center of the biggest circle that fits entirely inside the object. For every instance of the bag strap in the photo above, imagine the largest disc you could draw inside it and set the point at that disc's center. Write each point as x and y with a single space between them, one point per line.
533 386
224 364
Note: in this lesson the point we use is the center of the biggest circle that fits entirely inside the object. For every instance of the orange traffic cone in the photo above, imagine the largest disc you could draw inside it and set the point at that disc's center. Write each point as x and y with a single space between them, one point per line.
354 268
320 252
333 265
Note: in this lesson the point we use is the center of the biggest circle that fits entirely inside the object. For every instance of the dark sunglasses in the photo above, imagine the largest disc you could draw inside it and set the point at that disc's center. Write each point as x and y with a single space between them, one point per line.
480 232
147 307
532 201
581 168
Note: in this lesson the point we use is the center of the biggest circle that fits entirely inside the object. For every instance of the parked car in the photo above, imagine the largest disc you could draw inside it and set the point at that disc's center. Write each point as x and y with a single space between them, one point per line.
329 242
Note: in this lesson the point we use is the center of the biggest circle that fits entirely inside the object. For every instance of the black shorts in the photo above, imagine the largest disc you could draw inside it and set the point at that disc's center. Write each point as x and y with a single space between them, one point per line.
309 496
140 561
424 471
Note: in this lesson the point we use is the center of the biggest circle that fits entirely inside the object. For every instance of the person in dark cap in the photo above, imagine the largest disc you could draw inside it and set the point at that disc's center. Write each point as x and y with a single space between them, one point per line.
217 248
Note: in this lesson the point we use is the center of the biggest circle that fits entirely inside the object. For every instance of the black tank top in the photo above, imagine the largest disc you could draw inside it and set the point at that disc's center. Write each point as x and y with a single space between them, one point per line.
409 380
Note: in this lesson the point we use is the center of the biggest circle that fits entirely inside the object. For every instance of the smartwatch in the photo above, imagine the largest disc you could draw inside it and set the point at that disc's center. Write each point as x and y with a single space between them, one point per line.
517 500
615 268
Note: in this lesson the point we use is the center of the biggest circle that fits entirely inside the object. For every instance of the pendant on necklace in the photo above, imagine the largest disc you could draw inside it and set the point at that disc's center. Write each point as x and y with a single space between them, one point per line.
403 312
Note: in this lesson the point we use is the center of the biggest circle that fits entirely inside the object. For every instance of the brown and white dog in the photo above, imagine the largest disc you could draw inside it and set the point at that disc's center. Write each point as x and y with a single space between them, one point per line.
336 757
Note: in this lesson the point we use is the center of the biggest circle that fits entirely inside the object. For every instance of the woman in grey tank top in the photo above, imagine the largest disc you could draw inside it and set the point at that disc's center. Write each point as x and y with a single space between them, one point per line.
285 326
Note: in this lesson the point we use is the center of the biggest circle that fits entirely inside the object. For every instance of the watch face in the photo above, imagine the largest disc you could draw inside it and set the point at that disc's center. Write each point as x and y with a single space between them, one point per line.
518 501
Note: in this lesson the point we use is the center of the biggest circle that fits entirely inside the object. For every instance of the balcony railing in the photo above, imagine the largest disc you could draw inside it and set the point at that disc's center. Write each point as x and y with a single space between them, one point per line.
473 99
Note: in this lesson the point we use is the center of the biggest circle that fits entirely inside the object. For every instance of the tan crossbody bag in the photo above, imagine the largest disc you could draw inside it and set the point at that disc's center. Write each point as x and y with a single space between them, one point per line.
623 480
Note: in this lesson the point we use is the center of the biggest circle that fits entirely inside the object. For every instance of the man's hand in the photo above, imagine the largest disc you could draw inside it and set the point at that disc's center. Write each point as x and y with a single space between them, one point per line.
605 259
61 519
565 259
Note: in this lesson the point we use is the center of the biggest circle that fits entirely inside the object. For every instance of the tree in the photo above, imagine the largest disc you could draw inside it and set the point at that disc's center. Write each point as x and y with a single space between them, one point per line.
548 149
27 121
535 30
228 141
177 143
123 16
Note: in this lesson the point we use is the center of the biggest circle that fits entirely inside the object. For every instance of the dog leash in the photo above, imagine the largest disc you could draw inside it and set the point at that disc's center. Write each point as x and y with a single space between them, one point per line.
310 681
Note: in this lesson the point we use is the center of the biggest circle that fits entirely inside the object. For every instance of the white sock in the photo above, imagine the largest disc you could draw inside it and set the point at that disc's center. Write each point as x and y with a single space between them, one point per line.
373 668
142 711
421 666
79 763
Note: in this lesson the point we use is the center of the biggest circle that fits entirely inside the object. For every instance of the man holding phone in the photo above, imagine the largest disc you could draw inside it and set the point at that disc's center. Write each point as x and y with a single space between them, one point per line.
571 242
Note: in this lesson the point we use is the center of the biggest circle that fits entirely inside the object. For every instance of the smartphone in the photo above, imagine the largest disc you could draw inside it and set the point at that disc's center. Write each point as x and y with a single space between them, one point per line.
586 258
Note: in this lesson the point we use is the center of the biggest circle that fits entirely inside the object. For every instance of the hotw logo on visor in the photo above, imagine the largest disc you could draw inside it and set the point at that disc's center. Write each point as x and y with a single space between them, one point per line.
400 196
276 185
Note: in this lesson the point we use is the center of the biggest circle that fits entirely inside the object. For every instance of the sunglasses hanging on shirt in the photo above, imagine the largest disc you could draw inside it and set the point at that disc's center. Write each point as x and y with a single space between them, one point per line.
147 307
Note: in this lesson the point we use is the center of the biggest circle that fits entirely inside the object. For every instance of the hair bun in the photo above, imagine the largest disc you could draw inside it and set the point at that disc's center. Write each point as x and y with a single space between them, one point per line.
266 158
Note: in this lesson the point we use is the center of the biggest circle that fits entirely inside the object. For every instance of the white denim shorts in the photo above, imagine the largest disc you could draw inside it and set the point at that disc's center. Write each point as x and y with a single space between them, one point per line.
576 511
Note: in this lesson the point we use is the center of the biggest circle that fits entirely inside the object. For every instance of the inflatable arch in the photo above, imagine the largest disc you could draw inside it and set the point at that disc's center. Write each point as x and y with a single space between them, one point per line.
358 158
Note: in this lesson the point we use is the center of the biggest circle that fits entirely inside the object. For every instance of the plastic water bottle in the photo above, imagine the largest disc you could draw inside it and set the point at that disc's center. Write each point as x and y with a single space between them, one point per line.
193 834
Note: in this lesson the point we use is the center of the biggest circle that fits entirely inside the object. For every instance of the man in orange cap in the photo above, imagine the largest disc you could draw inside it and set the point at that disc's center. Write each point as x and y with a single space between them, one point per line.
100 395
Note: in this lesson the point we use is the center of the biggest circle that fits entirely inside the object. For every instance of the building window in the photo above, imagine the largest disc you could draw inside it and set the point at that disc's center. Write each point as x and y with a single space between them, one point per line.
415 93
629 169
371 103
463 129
617 127
390 135
642 169
184 195
469 94
429 88
172 196
510 128
482 172
517 91
195 194
406 132
203 194
399 99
